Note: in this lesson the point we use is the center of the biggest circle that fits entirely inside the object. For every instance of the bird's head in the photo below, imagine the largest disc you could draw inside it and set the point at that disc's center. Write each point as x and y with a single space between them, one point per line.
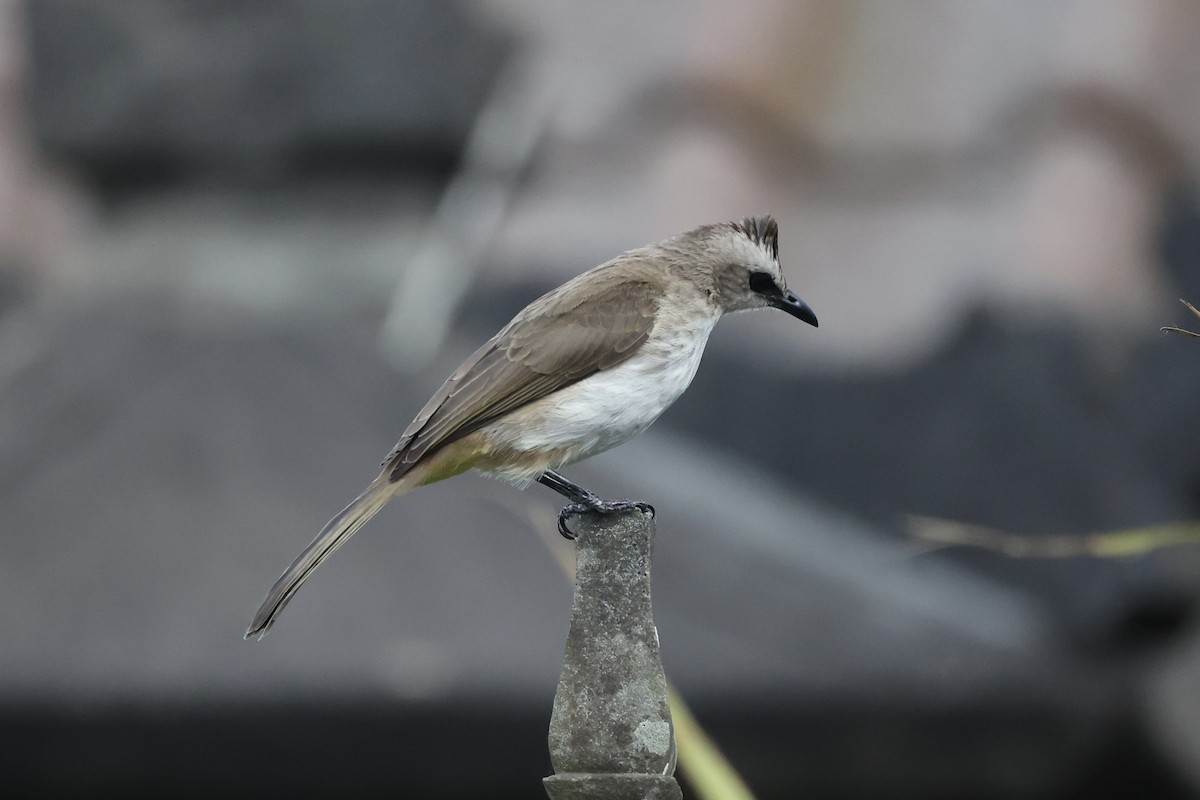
738 262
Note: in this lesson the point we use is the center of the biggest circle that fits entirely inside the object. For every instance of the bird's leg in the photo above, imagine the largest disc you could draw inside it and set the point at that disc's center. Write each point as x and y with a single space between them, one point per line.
568 489
583 501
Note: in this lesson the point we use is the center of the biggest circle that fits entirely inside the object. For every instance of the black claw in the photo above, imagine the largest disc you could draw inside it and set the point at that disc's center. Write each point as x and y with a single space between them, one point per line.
567 512
599 506
563 530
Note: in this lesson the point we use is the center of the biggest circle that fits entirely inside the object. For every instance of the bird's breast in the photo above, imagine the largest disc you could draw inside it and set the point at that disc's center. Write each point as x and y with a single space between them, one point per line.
614 405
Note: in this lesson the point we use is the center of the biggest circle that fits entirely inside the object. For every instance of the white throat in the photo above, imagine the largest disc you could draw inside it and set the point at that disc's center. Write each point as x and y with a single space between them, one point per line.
614 405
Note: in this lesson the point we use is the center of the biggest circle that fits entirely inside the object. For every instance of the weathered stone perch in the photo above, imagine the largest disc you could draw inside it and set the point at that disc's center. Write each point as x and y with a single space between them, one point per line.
611 736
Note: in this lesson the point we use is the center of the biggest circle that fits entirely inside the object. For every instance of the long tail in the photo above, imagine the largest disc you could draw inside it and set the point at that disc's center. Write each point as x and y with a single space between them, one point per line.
332 536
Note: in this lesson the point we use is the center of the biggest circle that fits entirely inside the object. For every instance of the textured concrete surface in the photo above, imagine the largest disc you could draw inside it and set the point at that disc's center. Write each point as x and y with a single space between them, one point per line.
611 736
612 787
611 711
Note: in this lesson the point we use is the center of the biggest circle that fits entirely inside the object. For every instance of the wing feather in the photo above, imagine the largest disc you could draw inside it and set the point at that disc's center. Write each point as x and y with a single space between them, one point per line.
558 340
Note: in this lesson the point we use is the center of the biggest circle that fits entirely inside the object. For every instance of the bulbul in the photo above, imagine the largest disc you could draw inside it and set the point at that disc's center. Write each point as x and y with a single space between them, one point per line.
580 370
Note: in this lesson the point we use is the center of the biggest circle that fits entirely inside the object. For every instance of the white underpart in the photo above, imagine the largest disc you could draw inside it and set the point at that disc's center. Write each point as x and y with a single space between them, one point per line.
614 405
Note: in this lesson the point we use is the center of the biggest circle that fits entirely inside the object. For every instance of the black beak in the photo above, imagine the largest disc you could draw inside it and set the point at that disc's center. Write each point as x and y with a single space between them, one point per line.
790 302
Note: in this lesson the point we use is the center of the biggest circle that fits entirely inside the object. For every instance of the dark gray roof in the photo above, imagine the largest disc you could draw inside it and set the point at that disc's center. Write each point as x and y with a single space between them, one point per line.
157 477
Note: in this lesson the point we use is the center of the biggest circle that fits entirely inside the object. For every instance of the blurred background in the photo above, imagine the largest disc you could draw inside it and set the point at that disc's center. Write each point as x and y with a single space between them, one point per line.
240 244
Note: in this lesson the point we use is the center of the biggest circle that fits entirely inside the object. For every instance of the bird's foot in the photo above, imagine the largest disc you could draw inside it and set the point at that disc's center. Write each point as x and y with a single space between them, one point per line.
596 505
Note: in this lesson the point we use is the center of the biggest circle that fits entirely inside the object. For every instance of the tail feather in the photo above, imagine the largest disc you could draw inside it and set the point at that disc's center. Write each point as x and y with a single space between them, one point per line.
332 536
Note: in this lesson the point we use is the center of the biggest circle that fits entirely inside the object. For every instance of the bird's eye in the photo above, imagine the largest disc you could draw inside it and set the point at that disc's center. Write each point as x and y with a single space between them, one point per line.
762 283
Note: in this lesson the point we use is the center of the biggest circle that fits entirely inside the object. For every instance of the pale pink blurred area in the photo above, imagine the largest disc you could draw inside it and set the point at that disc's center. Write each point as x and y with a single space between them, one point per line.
920 159
44 214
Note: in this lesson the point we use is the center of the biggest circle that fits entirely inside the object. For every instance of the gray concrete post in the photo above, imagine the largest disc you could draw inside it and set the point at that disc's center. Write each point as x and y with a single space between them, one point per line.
611 736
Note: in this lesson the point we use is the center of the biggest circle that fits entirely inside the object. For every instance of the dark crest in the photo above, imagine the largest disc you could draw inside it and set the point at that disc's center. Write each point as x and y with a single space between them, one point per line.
761 230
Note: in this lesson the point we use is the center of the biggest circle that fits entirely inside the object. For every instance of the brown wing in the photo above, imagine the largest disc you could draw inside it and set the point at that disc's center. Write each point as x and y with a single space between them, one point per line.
558 340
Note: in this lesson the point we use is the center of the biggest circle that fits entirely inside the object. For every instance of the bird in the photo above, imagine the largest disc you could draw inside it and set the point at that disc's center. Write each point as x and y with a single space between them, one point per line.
578 371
